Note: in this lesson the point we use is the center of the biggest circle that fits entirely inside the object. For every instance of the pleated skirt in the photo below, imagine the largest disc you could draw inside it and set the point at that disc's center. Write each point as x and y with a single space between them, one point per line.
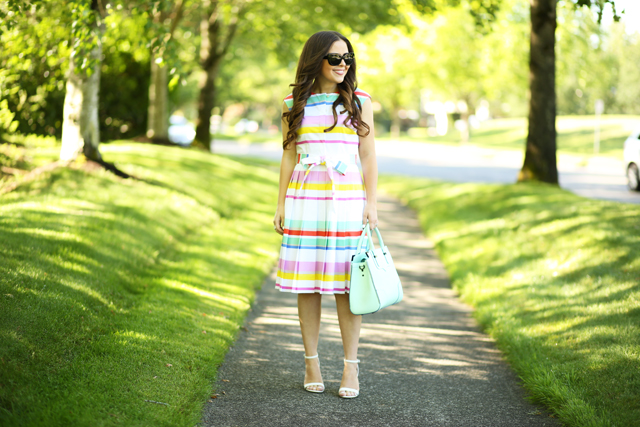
323 221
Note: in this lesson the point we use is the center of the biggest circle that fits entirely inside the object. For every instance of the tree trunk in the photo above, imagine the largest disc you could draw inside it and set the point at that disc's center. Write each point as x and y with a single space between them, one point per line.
215 44
540 155
158 122
80 126
210 59
466 131
206 102
158 111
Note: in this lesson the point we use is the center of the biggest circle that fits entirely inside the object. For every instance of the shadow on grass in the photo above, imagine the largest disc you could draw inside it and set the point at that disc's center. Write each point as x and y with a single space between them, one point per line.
104 283
196 174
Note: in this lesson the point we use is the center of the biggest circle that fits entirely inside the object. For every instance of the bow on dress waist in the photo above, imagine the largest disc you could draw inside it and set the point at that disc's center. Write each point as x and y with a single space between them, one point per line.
332 163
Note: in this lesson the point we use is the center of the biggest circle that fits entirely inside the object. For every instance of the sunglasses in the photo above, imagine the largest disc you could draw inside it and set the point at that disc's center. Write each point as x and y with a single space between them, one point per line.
335 59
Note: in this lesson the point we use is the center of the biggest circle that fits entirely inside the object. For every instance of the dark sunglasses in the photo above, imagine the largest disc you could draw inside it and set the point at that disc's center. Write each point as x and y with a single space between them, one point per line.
335 59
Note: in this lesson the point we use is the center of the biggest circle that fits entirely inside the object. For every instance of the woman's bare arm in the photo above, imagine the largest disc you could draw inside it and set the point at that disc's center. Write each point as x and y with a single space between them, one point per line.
367 152
287 164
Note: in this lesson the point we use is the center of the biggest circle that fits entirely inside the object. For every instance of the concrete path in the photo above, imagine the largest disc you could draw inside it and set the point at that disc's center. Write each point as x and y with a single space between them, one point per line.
424 361
595 177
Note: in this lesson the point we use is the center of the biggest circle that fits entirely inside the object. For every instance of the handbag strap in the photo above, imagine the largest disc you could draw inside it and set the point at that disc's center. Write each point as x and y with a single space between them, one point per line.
366 232
359 248
380 242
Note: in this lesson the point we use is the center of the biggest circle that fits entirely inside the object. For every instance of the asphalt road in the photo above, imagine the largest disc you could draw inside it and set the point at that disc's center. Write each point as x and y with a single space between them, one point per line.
424 361
598 177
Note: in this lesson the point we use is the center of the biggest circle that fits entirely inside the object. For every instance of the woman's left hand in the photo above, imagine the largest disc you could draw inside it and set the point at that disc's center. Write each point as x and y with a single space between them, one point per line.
370 214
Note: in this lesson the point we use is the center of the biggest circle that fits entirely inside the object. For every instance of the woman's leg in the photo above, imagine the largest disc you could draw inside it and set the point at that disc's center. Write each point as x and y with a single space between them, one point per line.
350 331
309 309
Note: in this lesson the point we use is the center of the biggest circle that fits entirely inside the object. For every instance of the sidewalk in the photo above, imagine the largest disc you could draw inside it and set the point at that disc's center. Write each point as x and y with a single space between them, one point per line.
424 361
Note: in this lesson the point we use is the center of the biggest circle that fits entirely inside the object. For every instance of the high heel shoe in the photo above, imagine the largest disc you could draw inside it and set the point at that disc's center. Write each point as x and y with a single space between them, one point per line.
307 385
357 392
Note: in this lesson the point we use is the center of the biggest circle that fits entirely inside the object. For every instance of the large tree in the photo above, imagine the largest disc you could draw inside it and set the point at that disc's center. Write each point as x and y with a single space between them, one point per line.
540 162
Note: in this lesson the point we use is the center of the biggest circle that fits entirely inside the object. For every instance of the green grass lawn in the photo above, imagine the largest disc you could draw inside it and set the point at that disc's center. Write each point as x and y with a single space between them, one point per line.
114 292
554 278
575 134
28 152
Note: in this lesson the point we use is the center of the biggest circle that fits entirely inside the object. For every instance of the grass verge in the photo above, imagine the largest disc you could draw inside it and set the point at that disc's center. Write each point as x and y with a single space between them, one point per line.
114 293
554 278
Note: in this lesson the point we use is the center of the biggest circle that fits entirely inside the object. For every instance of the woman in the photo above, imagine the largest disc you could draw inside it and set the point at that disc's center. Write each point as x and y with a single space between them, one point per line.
327 124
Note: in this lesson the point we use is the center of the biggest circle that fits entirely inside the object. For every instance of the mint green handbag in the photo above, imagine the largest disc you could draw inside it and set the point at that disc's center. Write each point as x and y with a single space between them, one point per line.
374 280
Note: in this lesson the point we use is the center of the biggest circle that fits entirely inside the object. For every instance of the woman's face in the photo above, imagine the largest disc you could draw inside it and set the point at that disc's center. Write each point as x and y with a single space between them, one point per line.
335 74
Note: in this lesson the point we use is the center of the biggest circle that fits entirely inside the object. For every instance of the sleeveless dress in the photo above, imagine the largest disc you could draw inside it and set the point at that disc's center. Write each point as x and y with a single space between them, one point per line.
324 202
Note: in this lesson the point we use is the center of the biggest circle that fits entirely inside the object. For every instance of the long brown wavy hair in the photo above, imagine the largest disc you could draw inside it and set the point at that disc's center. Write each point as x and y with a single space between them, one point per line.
309 68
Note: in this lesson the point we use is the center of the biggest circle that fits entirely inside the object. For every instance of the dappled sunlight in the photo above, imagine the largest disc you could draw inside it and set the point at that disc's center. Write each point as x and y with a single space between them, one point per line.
86 290
135 335
130 282
73 261
427 344
238 302
180 170
277 321
553 276
58 235
442 362
384 338
449 347
562 225
66 207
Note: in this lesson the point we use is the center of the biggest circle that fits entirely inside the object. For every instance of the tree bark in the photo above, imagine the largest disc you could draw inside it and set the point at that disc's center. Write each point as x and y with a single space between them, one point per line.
216 38
158 122
158 111
540 163
206 102
80 126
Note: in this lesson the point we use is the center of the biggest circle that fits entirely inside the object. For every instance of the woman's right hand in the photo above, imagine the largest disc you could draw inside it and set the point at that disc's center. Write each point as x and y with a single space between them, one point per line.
278 220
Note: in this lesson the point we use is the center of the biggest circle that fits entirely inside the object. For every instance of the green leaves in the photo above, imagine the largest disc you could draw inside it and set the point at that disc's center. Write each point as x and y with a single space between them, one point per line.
7 124
484 13
11 11
598 6
86 32
33 64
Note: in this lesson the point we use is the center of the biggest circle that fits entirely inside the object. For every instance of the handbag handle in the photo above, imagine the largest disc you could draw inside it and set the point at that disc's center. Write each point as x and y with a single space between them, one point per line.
380 242
366 231
359 248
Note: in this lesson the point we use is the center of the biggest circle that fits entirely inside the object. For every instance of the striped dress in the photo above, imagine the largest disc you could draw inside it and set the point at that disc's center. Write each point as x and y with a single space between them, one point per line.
324 202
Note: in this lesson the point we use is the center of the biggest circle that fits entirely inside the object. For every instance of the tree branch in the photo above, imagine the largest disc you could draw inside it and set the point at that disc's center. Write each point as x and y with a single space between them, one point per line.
233 26
177 16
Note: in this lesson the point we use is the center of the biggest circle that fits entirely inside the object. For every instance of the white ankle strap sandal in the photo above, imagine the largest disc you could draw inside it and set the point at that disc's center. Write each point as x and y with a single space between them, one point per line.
308 385
353 390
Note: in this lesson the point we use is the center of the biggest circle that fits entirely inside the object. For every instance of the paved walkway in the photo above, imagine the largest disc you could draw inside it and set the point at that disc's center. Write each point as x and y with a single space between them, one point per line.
424 361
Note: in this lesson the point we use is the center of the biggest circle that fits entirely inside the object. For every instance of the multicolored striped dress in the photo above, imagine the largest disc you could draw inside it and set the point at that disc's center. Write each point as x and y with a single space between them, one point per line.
324 202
